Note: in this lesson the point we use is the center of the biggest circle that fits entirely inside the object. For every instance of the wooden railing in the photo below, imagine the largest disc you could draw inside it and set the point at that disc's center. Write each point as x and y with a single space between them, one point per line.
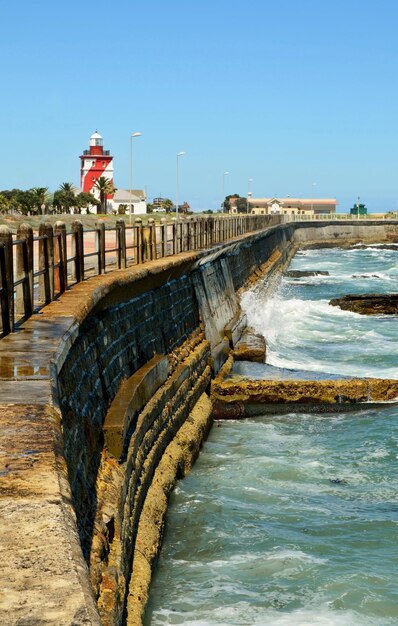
36 269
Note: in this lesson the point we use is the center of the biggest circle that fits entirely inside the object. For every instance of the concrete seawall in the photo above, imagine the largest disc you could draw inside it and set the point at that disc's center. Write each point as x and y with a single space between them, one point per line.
82 525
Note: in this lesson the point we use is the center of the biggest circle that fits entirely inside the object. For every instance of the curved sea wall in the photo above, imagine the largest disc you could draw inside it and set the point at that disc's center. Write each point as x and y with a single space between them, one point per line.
105 403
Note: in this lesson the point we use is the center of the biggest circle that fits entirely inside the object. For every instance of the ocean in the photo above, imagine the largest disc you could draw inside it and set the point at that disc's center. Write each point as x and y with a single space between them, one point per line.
292 519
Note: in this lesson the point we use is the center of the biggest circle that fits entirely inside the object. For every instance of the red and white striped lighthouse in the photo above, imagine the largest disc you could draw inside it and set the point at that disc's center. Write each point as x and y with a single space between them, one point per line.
95 162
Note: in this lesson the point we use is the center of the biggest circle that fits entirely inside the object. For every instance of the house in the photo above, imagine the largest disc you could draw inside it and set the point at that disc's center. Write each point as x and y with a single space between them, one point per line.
122 198
288 206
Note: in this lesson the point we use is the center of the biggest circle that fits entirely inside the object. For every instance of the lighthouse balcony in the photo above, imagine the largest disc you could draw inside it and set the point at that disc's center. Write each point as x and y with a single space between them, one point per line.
96 151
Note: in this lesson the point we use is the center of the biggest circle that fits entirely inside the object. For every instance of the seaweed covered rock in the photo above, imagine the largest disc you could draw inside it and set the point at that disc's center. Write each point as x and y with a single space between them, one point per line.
250 347
368 304
304 273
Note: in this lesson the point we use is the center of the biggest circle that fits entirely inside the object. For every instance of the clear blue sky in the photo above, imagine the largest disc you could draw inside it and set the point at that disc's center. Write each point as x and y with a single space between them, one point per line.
287 93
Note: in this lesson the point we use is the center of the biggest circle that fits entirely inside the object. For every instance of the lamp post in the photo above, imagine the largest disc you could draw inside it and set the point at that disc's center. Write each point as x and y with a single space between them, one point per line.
249 194
223 190
131 171
179 154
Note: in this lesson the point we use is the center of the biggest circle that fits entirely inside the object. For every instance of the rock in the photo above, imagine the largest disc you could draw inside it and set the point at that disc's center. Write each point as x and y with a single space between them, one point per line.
250 347
380 246
368 304
304 273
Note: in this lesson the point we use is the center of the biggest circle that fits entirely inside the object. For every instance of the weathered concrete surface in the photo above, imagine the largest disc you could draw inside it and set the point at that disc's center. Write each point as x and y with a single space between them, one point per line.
368 304
176 462
227 389
131 398
347 233
216 292
44 578
119 509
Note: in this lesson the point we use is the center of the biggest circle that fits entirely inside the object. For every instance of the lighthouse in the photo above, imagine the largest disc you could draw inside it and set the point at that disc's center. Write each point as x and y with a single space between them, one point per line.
95 162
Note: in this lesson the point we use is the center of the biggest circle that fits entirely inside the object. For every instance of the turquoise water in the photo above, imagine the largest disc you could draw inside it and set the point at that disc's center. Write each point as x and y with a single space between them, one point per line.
303 331
292 520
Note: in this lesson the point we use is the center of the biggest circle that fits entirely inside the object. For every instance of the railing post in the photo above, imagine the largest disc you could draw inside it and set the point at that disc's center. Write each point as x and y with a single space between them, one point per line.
100 245
184 237
138 239
7 280
203 232
146 251
199 232
192 234
175 236
217 234
121 243
46 263
206 233
163 232
78 250
211 240
151 239
24 267
60 258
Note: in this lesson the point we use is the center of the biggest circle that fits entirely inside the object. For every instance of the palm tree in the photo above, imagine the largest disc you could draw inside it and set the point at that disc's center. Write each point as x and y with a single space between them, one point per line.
105 187
67 187
40 197
64 198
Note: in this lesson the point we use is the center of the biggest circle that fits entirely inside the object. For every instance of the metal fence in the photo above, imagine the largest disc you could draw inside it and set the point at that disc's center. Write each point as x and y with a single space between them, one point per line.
36 269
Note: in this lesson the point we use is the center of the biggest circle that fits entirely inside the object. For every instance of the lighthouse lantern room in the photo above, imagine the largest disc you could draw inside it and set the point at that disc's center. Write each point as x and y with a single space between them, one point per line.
95 162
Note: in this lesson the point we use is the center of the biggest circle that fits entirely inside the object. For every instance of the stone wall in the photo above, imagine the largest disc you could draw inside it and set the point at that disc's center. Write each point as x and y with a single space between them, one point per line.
112 344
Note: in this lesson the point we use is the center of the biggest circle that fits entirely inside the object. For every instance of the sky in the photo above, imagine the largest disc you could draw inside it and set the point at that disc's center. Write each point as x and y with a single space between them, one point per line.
291 97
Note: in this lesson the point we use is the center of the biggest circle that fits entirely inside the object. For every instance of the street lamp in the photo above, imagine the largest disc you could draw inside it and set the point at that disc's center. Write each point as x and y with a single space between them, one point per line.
223 190
131 170
249 194
179 154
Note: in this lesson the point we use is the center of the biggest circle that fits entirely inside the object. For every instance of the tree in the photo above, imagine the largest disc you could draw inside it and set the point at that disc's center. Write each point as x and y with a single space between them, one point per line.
64 198
122 209
84 200
241 205
11 196
5 204
105 187
168 205
40 195
226 204
25 202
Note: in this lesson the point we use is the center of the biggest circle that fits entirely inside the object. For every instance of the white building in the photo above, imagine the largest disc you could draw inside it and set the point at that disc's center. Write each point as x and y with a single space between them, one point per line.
287 206
122 197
